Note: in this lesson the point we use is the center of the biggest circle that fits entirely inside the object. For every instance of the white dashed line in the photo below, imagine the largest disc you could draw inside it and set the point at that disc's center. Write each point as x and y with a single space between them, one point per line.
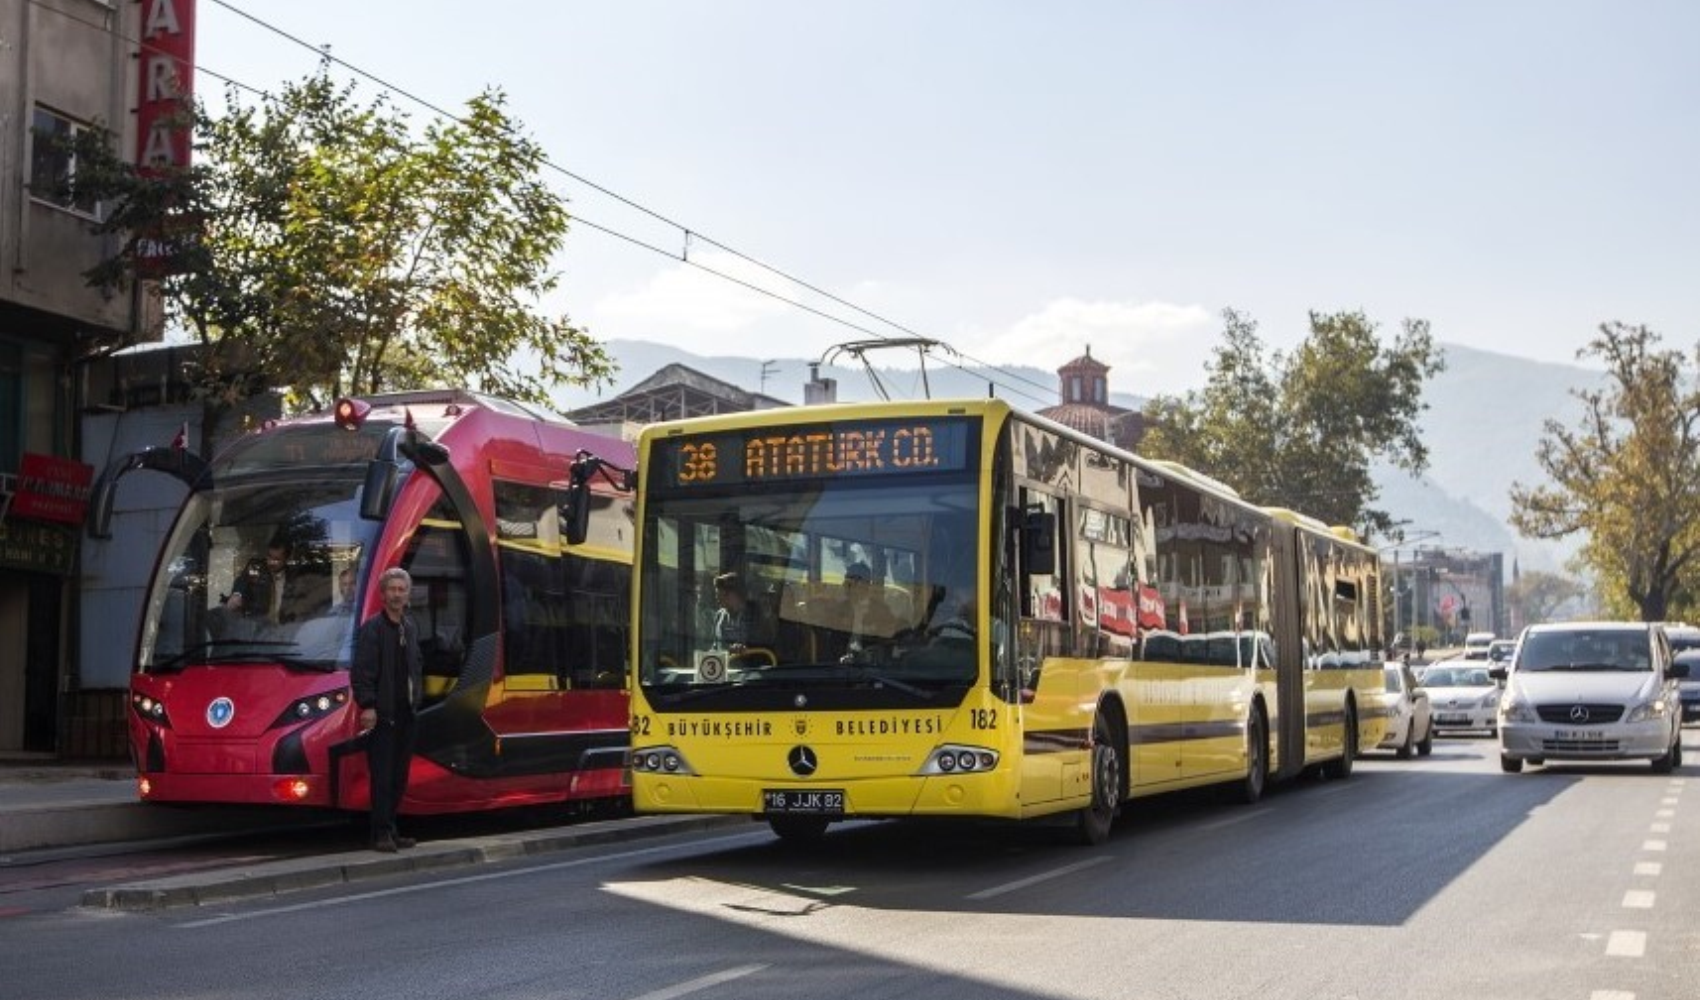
702 983
1611 995
1648 867
1638 899
1659 828
1653 845
1627 944
999 890
1665 814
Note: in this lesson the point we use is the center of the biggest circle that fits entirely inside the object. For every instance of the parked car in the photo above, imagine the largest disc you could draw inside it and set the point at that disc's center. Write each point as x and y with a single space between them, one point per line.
1463 696
1591 691
1410 723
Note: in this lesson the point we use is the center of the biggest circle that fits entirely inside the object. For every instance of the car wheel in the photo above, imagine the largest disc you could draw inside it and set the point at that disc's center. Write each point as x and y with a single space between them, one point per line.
1510 765
1425 746
1670 760
1409 745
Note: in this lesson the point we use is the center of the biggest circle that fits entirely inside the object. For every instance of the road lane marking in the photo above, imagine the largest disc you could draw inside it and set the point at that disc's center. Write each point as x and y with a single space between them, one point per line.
702 983
1627 944
1638 899
1648 868
1665 814
999 890
1611 995
1659 828
1653 845
1667 802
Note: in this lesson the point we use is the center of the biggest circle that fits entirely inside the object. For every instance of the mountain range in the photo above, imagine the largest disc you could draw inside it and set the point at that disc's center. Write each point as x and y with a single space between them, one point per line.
1482 425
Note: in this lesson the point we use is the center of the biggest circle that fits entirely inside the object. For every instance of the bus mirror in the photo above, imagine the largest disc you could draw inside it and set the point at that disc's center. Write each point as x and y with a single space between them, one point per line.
1039 542
379 490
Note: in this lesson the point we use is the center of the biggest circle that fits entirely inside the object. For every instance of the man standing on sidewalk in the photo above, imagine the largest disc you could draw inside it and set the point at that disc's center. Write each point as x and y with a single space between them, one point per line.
387 675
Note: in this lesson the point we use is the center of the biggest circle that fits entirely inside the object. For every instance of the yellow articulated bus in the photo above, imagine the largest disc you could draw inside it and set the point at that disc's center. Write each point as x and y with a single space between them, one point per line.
952 608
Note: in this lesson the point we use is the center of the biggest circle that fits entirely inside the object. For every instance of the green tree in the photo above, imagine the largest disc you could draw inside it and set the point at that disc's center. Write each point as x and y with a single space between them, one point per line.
1536 596
1627 476
1300 430
323 246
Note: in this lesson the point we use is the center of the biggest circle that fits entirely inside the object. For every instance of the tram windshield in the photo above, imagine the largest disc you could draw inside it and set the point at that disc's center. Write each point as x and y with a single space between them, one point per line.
261 570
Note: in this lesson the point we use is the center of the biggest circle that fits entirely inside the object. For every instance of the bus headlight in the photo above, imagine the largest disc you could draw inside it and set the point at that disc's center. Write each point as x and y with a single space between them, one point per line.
954 758
660 760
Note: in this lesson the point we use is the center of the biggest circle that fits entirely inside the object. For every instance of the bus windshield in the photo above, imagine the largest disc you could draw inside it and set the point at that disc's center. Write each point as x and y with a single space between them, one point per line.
261 570
843 585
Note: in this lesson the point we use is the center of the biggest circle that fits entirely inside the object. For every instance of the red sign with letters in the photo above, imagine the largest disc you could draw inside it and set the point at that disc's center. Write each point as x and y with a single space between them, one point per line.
52 489
167 84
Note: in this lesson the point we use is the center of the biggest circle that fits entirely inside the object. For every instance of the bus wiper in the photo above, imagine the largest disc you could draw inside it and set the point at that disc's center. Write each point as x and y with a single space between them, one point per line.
202 651
881 680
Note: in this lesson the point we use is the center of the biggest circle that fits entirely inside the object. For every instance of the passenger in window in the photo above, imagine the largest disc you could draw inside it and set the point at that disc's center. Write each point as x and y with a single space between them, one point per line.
269 588
862 615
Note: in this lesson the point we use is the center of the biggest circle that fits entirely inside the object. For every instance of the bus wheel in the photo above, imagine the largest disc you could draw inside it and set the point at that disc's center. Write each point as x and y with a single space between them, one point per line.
1256 759
1092 824
1342 768
798 829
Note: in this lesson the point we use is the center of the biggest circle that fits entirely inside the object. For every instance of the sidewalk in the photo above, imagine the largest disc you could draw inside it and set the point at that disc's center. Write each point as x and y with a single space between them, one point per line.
50 805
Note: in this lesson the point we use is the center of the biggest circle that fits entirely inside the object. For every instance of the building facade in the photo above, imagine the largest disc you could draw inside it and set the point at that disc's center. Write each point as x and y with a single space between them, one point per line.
65 66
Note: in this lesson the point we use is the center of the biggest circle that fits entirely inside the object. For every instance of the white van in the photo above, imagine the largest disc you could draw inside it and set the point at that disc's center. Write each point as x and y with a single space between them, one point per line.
1591 691
1476 645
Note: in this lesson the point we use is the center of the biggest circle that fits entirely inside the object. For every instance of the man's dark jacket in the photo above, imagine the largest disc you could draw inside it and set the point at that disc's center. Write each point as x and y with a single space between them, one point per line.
385 657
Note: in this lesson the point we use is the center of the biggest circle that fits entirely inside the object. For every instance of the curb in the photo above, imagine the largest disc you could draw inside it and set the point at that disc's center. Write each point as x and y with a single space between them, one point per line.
279 878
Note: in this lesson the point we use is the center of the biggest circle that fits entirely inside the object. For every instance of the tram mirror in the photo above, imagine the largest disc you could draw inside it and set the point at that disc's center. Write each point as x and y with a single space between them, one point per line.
1039 543
379 490
100 508
575 513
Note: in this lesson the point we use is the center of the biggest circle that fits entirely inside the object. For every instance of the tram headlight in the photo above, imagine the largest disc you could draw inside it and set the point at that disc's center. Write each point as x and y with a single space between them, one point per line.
954 758
151 709
660 760
314 706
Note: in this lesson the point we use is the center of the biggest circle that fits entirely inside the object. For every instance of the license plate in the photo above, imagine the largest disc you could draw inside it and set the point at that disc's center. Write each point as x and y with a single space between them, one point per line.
1579 734
803 801
1451 720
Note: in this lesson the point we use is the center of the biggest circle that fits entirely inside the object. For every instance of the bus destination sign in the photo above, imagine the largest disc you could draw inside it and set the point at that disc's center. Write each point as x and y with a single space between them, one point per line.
852 449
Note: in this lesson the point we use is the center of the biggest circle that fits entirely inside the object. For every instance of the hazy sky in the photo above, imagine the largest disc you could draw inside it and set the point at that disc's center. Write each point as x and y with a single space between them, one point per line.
1022 180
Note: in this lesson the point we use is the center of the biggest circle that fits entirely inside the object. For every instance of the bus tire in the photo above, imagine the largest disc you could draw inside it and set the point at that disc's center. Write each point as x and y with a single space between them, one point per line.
1341 768
1092 824
799 829
1251 787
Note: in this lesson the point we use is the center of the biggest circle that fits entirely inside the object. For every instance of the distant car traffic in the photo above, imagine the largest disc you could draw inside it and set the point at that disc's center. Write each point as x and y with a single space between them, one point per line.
1463 696
1499 651
1410 723
1591 691
1685 649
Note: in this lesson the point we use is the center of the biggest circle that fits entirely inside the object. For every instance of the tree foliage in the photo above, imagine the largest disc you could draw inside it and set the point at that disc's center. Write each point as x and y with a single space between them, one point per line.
1536 596
1300 430
1628 476
325 246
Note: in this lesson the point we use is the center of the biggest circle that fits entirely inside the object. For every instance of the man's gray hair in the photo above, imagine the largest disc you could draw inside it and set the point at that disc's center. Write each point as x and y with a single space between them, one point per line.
394 573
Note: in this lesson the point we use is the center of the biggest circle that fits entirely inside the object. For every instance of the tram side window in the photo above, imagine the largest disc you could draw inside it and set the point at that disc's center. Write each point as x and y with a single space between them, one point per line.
438 559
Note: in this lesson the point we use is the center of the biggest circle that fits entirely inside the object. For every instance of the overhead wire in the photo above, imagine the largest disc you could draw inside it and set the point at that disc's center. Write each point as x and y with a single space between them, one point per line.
688 234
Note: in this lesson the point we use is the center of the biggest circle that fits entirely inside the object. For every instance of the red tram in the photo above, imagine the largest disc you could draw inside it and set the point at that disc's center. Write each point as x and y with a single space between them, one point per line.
524 633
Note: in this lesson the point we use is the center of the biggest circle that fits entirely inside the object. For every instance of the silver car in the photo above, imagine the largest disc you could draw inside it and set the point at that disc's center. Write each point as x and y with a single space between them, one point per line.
1591 691
1462 696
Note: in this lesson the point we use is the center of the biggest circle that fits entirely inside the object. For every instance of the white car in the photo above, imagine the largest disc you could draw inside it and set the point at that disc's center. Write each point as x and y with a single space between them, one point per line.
1410 725
1463 696
1592 691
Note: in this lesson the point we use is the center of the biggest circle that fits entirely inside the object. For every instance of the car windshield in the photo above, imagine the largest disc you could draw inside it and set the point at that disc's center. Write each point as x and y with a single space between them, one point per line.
1585 650
1446 677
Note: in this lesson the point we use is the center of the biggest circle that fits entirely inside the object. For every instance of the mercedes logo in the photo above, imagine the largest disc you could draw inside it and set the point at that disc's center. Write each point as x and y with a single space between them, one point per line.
802 760
1578 713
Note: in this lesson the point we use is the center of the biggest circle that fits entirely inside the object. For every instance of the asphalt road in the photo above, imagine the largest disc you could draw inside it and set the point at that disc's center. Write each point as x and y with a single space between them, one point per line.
1435 877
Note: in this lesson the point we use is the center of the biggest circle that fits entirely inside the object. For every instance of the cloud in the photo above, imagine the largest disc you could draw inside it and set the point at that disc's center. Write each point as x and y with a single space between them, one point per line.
688 307
1149 346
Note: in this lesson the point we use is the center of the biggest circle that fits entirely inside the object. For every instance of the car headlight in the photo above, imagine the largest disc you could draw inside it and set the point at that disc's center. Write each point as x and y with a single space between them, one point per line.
1647 711
1513 709
1491 700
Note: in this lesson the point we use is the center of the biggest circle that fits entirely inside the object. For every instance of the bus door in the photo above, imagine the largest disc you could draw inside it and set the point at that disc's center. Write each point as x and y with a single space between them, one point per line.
1054 720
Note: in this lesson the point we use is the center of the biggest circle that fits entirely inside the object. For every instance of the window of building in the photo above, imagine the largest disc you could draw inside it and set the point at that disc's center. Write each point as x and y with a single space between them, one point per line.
53 163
